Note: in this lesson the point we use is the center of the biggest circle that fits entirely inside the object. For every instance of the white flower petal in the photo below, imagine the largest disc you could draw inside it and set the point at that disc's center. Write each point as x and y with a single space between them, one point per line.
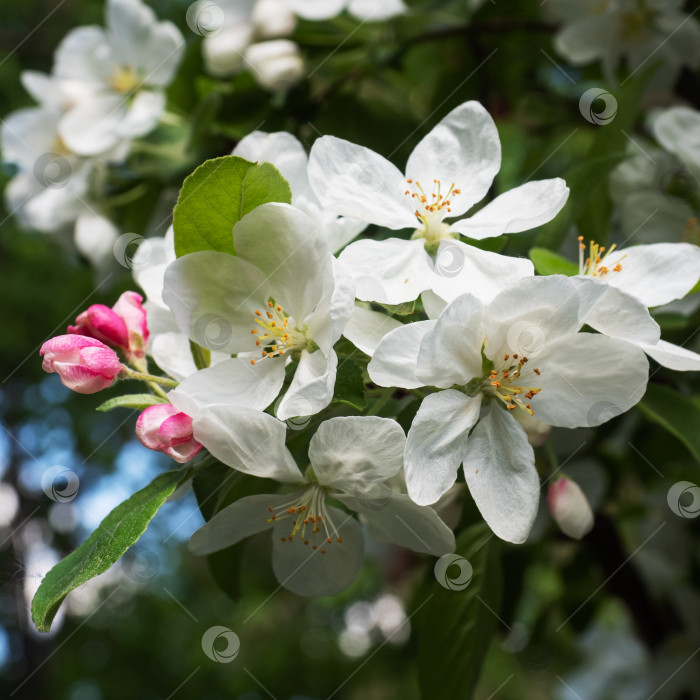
530 314
585 40
247 440
587 379
395 518
366 328
143 114
464 269
326 570
214 297
350 453
243 518
657 273
287 246
520 209
95 237
437 443
312 387
354 181
451 352
232 382
678 130
499 467
376 10
392 271
615 313
317 9
672 356
171 352
395 359
463 149
433 304
94 127
84 55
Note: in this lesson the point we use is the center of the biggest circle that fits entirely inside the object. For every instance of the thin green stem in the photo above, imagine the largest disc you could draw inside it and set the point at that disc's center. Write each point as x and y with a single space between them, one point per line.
381 402
128 373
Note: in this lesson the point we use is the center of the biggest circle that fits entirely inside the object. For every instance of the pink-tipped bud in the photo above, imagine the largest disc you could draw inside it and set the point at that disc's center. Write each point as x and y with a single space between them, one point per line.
101 323
123 326
129 307
569 508
84 364
165 429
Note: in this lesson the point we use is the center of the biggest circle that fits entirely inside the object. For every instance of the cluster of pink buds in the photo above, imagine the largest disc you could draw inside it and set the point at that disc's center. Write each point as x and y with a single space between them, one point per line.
123 327
86 361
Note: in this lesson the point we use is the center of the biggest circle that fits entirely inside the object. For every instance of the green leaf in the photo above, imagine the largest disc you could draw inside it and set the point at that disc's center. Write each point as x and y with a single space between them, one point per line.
676 412
133 401
548 263
218 194
116 533
350 385
454 627
200 355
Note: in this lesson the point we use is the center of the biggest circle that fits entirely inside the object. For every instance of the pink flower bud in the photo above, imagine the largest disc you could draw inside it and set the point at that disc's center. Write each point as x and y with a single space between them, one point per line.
84 364
100 322
164 429
130 309
569 508
123 326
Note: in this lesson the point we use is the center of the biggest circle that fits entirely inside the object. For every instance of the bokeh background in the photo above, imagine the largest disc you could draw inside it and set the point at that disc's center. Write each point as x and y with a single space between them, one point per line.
615 617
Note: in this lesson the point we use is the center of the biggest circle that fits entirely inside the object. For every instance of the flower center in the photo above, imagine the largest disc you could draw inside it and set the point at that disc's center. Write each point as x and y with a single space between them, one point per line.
309 516
277 333
124 79
633 24
431 209
597 263
507 384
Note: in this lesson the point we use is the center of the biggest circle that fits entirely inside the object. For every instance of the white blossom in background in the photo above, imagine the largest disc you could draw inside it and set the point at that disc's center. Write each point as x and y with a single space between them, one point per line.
317 548
282 296
449 171
51 191
248 35
365 10
654 194
125 69
637 31
521 352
